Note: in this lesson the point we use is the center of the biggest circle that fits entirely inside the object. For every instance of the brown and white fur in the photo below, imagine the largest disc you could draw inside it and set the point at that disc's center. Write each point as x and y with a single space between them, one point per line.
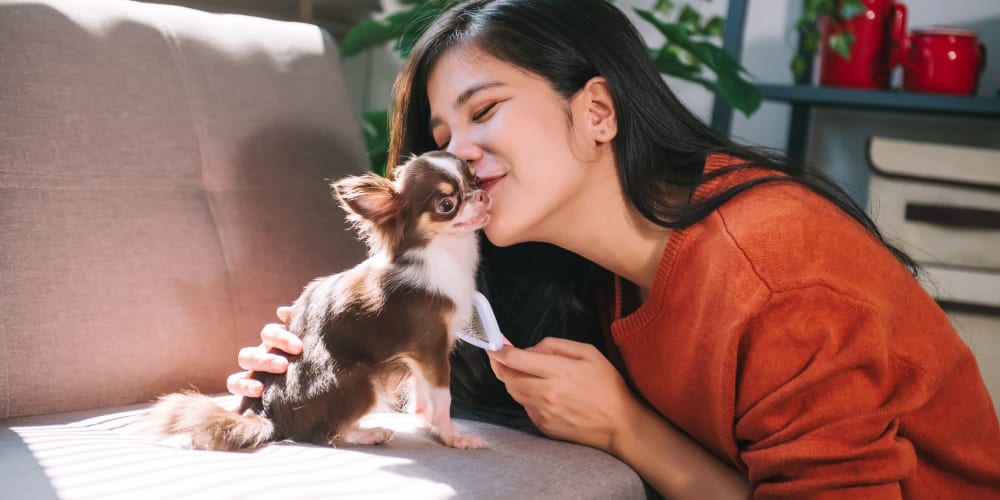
366 329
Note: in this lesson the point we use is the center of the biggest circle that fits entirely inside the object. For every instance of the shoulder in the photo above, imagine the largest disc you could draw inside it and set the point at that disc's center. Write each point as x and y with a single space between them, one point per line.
793 237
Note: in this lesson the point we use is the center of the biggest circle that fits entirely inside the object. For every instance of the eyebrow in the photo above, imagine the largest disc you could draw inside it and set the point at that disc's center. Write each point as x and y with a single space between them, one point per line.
465 96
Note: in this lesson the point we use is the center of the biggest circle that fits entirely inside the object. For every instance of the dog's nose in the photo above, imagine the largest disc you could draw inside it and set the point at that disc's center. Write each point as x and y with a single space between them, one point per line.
480 196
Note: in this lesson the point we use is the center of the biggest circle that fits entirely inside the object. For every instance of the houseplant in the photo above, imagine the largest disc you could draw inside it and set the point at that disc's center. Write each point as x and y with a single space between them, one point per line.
689 50
839 41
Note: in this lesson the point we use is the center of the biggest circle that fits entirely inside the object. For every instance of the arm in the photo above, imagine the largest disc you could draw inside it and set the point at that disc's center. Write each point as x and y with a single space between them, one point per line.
673 463
821 396
572 392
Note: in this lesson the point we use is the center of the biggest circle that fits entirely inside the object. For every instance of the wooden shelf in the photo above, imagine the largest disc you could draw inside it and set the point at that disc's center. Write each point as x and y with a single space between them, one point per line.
986 107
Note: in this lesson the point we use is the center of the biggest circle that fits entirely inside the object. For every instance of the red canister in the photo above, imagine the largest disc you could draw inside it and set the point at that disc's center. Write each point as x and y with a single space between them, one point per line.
943 60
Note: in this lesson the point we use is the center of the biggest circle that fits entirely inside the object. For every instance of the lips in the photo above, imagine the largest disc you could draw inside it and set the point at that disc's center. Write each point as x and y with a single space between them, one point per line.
485 183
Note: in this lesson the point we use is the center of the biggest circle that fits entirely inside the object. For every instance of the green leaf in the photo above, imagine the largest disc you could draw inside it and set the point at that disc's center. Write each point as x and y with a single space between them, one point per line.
810 41
827 7
375 128
714 27
689 18
740 94
841 43
672 31
664 6
798 67
670 62
376 32
810 10
849 9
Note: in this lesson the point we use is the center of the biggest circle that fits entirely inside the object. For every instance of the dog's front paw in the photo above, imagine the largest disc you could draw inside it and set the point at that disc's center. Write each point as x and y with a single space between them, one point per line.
464 441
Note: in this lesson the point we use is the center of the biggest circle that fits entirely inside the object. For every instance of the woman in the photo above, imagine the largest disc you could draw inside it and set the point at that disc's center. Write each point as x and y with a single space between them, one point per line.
720 320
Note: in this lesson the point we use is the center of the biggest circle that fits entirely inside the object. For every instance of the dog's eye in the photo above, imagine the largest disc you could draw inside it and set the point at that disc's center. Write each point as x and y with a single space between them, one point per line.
446 205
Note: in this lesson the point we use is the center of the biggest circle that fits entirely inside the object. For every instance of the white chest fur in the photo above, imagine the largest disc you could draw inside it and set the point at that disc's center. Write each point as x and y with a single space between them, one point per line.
449 268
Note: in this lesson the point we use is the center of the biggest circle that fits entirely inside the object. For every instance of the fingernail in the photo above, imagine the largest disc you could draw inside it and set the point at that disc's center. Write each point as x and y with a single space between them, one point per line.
278 364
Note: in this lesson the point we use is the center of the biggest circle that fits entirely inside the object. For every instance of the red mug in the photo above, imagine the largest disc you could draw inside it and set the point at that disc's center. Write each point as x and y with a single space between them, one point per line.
879 32
943 60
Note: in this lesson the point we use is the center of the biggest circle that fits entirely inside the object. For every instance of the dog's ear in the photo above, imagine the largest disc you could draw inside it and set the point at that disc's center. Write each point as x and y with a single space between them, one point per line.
369 197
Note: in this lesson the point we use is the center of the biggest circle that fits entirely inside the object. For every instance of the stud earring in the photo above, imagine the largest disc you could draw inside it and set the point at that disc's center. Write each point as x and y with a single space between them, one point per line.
603 131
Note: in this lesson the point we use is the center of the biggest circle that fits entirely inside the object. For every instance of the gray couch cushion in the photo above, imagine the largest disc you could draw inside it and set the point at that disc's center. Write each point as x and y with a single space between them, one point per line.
97 455
163 187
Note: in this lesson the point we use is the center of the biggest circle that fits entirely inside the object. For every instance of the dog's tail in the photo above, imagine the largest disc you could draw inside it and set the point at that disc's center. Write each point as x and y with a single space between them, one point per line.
210 426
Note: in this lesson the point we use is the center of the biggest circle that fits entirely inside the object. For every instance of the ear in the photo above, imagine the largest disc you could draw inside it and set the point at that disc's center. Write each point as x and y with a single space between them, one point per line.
602 122
369 197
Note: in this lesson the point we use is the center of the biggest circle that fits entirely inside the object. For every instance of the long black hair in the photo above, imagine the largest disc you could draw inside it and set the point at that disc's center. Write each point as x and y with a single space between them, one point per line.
537 289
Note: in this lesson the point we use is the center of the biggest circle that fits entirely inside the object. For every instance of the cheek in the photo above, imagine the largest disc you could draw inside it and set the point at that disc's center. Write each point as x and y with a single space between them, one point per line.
542 174
536 193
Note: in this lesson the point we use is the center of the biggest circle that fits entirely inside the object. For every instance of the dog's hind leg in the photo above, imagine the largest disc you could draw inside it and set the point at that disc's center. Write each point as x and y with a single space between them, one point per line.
374 435
355 398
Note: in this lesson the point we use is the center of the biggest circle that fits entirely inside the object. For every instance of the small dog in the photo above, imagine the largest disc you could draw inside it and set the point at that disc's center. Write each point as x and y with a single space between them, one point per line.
366 329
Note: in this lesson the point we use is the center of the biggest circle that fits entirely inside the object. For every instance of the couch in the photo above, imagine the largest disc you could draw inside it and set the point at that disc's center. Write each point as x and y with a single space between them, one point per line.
163 188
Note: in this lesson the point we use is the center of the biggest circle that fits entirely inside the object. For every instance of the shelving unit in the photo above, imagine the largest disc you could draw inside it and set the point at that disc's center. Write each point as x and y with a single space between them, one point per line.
883 100
804 98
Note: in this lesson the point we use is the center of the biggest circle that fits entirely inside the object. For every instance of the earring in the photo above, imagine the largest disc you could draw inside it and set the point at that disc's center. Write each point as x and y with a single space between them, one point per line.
603 131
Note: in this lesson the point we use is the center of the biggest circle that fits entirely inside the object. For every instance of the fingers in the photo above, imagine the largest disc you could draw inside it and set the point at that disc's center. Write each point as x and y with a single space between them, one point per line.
284 312
520 385
275 336
258 359
563 347
241 384
530 362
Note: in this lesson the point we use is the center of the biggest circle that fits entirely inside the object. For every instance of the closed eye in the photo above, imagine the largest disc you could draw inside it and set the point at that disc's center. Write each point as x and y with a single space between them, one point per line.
479 116
483 112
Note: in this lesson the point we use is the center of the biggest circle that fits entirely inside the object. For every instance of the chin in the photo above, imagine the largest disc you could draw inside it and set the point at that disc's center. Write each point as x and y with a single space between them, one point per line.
500 236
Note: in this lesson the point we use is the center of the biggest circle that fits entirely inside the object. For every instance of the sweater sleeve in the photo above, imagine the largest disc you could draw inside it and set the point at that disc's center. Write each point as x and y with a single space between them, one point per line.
819 396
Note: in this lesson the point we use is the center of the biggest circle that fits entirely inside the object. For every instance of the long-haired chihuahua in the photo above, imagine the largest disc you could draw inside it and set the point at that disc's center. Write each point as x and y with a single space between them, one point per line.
364 330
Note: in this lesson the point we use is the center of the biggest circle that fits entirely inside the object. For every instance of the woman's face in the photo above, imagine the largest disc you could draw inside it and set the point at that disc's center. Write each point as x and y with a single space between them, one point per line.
514 130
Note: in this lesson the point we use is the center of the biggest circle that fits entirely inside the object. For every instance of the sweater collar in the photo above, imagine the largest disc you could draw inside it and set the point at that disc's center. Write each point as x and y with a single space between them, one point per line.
621 326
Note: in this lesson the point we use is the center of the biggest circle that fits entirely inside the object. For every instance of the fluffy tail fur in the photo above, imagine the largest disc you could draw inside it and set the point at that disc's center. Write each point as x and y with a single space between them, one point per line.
210 426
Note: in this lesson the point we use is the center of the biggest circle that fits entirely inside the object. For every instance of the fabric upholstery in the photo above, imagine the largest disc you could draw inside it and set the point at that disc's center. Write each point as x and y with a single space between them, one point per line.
163 188
97 455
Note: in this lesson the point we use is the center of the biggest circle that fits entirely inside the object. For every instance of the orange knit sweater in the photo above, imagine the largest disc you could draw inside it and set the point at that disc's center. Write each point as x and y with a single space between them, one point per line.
792 344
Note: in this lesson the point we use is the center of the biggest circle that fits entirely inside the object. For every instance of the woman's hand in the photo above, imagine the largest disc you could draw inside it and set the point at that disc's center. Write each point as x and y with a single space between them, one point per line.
273 336
572 392
569 389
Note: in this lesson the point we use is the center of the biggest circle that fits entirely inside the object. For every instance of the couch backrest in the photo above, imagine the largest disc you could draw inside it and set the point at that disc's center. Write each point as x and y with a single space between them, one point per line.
163 188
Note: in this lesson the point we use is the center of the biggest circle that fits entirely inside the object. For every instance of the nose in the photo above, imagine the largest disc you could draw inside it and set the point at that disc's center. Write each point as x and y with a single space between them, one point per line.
463 147
480 196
